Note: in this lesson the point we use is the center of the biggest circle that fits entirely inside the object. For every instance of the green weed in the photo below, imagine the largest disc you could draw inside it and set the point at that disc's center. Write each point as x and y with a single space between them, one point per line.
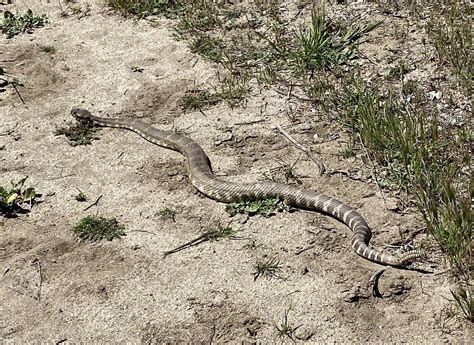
269 268
208 47
286 329
14 24
323 44
80 133
450 28
13 199
167 213
93 229
199 99
464 298
145 8
264 207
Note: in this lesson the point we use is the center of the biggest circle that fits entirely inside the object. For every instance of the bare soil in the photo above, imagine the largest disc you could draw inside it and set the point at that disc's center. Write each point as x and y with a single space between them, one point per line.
56 289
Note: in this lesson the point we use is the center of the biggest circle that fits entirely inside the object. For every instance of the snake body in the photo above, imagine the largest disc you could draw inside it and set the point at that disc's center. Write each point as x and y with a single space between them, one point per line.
201 176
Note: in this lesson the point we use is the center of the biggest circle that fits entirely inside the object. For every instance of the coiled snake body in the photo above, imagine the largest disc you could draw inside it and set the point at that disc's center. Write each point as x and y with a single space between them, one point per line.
201 176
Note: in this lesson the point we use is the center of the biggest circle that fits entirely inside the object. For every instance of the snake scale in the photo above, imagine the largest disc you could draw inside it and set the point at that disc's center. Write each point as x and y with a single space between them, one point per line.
201 176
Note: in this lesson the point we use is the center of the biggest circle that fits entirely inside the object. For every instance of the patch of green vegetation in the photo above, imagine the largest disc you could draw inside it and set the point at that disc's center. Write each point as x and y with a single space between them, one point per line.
199 99
286 329
233 89
404 138
93 229
324 44
167 213
14 24
264 207
399 70
446 206
48 49
80 133
268 267
464 297
222 232
208 47
450 28
13 199
145 8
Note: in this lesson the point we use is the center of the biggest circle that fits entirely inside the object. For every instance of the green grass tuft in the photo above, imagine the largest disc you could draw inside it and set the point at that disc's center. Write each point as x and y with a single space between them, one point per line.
15 24
264 207
93 229
80 133
269 268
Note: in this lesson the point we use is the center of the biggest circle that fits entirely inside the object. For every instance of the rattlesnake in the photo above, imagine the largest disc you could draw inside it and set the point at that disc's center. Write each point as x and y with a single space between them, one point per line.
201 176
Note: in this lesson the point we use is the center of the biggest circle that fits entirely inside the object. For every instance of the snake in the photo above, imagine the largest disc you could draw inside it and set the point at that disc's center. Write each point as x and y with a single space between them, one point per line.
200 174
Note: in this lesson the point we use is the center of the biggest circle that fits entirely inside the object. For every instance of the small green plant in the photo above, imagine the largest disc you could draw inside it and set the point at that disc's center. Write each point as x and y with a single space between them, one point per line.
14 24
399 70
48 49
450 28
93 229
137 69
207 46
268 267
13 199
264 207
199 99
80 133
325 44
221 233
464 298
145 8
286 329
167 213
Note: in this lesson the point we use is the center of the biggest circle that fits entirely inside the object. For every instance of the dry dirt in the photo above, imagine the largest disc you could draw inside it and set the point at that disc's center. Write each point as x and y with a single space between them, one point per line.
54 289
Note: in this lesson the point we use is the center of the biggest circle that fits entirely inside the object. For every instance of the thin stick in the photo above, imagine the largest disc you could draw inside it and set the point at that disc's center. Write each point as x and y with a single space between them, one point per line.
320 164
93 204
18 92
40 279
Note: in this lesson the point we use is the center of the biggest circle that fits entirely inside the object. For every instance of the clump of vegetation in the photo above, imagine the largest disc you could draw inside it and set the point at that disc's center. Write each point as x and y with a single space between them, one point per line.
49 49
199 99
450 28
464 297
145 8
14 199
167 213
264 207
286 329
14 24
93 229
80 133
269 268
323 44
221 233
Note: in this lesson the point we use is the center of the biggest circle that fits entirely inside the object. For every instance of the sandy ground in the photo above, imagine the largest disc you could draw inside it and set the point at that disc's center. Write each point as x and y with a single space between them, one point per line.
124 290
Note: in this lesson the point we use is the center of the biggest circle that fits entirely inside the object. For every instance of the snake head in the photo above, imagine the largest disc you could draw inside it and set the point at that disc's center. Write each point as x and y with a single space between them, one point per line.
81 114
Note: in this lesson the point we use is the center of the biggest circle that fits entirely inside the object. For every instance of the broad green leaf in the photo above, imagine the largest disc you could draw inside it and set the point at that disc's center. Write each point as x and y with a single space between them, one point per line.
11 199
29 194
19 184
